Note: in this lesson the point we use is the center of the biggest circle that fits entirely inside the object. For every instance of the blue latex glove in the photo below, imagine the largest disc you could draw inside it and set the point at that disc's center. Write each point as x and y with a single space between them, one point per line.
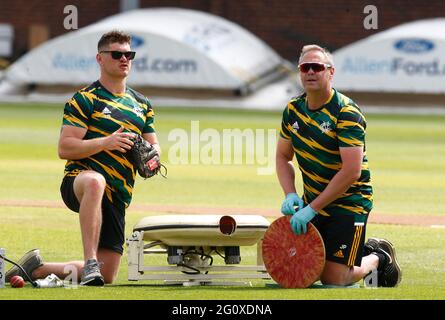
300 219
291 200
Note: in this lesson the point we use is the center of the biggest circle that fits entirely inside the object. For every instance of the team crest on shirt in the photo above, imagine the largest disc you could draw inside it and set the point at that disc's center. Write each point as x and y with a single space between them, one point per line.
138 111
325 127
295 126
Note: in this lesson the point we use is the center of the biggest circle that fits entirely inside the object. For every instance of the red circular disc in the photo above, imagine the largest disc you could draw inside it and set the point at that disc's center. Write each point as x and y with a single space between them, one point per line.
293 261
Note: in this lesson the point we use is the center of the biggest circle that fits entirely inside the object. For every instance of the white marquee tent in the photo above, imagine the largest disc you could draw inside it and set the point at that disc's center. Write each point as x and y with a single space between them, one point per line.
176 48
409 58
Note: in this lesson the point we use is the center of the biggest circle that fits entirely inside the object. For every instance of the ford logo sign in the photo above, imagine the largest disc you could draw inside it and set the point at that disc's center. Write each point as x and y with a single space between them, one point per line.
136 41
414 45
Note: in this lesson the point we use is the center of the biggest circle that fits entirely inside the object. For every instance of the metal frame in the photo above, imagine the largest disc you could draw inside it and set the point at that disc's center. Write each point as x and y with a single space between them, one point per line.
137 270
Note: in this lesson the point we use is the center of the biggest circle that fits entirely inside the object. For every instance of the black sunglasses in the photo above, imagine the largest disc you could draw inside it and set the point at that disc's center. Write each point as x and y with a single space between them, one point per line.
118 54
315 66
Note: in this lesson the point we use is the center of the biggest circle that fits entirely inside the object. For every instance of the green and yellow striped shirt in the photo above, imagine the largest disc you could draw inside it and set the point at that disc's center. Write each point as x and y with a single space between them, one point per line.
316 138
102 113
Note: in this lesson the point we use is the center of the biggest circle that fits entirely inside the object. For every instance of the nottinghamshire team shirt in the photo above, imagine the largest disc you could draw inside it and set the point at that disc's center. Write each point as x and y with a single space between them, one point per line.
102 113
316 138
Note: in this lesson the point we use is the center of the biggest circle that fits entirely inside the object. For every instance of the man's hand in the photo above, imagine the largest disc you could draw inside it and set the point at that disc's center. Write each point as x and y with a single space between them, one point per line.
300 219
119 141
291 200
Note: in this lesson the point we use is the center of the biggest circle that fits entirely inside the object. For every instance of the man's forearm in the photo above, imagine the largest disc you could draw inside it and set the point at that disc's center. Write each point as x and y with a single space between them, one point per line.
73 148
286 175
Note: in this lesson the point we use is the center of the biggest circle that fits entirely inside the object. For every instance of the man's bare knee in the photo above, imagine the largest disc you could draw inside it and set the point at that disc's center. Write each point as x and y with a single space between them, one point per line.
109 278
94 180
110 262
95 185
90 183
336 274
333 279
109 274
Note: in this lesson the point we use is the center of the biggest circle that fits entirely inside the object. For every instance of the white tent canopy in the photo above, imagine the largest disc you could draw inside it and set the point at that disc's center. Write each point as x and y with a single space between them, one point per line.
409 58
177 48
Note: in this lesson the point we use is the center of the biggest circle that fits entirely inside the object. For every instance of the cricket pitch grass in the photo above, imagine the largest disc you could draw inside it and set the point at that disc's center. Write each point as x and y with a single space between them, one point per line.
407 161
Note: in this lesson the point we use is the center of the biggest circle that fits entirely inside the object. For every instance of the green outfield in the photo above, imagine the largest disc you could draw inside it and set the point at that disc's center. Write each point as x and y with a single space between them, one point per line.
407 161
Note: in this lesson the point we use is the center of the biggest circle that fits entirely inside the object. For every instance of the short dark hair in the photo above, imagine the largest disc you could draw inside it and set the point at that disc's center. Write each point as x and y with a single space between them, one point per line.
113 37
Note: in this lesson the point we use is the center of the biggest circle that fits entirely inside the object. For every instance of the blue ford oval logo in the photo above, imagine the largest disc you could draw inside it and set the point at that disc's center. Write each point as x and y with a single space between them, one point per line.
136 41
414 45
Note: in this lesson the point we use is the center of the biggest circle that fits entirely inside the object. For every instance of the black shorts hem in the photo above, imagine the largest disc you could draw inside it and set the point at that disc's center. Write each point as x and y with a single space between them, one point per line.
68 195
117 249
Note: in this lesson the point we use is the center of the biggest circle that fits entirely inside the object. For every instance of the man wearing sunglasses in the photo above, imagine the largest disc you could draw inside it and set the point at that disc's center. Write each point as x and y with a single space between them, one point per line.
326 132
98 123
